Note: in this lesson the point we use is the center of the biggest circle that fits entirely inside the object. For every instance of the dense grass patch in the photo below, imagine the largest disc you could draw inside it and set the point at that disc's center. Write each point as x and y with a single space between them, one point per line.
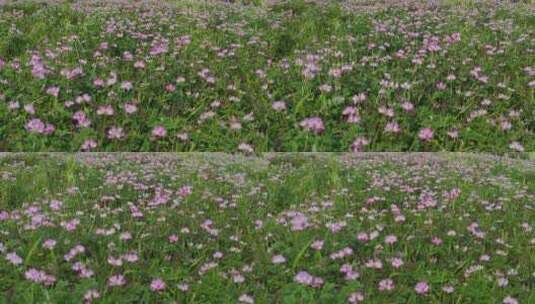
267 76
284 228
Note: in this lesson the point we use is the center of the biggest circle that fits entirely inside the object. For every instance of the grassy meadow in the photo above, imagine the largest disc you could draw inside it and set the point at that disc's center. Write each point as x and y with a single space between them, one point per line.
280 228
287 76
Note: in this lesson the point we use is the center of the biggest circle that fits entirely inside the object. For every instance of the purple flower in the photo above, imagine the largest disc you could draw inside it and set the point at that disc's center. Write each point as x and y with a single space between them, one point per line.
279 106
397 262
89 144
116 280
516 146
355 297
49 244
91 294
115 133
425 134
106 110
317 245
510 300
245 298
35 126
422 287
246 148
157 285
391 239
304 278
38 276
81 120
392 127
54 91
13 258
386 284
130 108
159 132
358 144
34 275
278 259
314 124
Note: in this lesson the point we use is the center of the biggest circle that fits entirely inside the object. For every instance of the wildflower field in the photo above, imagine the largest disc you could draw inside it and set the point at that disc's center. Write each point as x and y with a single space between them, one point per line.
281 228
240 80
267 76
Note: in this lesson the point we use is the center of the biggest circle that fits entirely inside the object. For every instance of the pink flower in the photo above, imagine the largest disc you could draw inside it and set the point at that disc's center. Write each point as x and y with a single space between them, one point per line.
350 274
157 285
246 148
278 259
304 278
392 127
116 280
81 119
173 238
358 144
374 263
98 82
130 257
159 132
185 191
245 298
436 241
140 64
115 133
516 146
425 134
314 124
362 236
54 91
325 88
422 287
182 136
115 261
397 262
359 98
448 289
170 87
38 276
89 144
127 85
33 275
351 114
355 297
35 126
407 106
317 245
13 105
29 109
49 244
13 258
386 284
130 108
391 239
510 300
183 287
106 110
279 106
91 294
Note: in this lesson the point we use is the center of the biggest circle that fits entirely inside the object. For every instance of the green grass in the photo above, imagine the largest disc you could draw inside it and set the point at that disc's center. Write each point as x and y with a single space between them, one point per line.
237 191
258 55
